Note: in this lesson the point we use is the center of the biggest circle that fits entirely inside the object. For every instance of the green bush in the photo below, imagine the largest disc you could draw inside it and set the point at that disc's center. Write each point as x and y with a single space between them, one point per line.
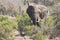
47 24
23 20
58 24
50 21
6 27
24 23
39 36
29 29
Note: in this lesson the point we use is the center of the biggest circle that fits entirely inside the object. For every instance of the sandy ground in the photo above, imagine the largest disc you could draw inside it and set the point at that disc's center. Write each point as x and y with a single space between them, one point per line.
17 36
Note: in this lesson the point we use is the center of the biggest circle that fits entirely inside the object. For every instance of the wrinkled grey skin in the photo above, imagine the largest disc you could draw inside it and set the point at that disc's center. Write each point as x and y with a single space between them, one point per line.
37 12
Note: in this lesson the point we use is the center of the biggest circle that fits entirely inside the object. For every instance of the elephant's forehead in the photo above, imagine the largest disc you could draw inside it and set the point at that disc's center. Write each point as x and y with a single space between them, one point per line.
37 10
40 8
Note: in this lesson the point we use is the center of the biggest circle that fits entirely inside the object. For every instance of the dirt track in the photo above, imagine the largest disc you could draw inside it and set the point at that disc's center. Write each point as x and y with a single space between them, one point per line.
18 37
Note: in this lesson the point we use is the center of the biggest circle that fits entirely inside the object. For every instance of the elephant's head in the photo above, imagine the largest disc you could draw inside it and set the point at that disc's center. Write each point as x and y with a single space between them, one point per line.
42 11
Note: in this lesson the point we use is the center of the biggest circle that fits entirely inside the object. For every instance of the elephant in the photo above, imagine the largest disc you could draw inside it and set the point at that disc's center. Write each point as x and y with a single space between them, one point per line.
37 12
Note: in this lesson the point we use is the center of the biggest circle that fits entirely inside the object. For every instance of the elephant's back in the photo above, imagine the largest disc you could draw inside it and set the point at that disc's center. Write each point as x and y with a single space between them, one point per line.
30 10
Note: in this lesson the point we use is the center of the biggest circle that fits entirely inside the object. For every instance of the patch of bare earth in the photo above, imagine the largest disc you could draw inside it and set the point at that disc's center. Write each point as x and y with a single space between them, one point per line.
17 36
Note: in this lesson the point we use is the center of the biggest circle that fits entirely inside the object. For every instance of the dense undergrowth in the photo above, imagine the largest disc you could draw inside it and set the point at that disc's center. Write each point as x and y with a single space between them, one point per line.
6 27
23 23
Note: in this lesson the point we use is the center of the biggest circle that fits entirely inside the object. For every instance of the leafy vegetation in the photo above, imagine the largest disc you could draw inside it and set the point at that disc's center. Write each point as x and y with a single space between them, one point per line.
39 36
6 27
24 23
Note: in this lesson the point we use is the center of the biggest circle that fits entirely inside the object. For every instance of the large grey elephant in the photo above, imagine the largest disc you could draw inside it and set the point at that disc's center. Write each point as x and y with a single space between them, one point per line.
36 12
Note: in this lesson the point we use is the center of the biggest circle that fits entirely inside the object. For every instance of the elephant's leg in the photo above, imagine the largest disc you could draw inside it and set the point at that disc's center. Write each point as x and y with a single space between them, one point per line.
36 24
35 27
